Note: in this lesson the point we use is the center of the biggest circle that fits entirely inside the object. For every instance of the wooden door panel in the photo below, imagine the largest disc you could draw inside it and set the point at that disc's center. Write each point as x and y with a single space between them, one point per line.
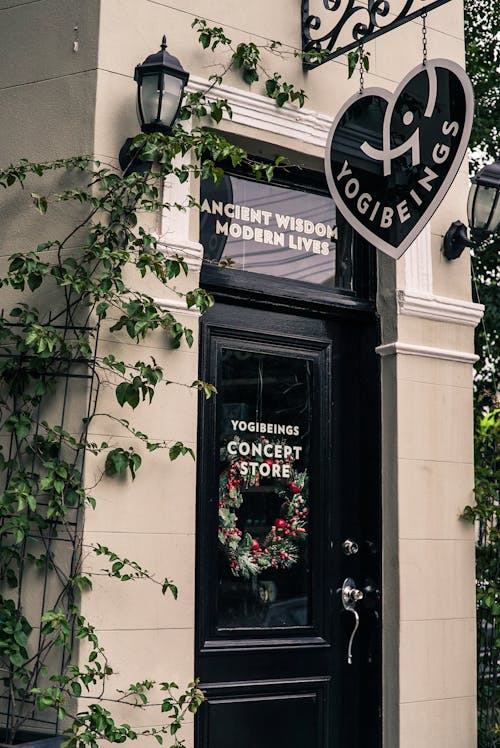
280 714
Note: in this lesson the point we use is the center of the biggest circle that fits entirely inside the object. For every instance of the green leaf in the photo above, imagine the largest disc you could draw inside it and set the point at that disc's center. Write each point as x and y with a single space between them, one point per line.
204 39
76 688
17 659
21 638
250 75
188 334
169 586
116 462
34 281
20 424
352 61
44 702
82 583
135 462
40 202
11 578
179 449
205 387
101 309
121 393
281 99
271 86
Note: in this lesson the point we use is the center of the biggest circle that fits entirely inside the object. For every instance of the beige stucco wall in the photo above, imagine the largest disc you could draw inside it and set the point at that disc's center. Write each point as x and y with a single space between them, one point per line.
55 102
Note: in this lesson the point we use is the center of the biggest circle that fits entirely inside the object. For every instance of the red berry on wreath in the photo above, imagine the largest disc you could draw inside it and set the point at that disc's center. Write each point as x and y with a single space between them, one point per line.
294 488
255 545
268 462
280 523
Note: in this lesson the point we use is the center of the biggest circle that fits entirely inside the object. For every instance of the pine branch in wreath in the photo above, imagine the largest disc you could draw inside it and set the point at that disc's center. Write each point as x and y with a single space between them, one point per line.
280 548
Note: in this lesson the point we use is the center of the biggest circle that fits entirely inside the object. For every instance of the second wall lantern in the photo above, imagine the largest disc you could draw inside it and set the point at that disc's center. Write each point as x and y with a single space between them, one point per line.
483 213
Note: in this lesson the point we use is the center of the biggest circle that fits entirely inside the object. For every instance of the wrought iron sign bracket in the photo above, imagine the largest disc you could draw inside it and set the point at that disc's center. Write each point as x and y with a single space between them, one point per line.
363 20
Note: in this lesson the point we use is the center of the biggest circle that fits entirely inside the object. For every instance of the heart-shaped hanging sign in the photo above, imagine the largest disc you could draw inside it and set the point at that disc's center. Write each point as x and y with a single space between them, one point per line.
391 158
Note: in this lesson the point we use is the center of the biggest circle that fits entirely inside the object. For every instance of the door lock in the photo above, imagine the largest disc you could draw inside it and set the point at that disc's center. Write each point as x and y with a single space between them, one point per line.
350 547
350 596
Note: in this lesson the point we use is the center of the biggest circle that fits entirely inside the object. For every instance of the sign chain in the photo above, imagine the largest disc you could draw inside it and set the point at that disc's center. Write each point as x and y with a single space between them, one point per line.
361 68
424 39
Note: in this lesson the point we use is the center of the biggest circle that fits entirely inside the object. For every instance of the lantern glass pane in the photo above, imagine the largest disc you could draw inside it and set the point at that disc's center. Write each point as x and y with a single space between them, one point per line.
483 204
172 93
470 205
149 97
495 220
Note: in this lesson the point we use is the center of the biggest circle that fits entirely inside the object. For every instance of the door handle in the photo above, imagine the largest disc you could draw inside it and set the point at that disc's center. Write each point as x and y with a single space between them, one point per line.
350 596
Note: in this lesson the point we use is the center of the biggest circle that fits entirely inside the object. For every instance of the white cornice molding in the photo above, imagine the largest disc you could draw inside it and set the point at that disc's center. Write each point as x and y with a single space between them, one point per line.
440 308
176 305
409 349
260 112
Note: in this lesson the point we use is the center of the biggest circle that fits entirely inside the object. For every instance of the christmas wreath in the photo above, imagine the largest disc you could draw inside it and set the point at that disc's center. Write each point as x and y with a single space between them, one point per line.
280 548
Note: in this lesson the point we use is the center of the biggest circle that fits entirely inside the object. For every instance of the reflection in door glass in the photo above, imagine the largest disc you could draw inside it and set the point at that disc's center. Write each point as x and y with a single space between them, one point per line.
264 423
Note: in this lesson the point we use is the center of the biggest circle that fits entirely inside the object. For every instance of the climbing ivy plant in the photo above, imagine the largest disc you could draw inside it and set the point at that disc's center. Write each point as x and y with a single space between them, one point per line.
62 299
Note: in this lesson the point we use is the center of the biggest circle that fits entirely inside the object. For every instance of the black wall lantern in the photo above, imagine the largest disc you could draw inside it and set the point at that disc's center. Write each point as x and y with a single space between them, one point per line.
160 85
483 213
161 80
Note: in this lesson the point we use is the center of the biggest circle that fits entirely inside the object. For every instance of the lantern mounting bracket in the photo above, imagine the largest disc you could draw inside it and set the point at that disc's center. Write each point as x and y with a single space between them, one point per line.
456 240
361 20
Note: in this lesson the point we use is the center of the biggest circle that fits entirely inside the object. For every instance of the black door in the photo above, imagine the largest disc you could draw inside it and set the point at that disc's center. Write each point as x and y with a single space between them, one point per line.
288 510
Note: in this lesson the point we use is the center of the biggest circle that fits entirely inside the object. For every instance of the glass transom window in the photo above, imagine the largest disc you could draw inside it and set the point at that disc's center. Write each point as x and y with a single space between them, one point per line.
275 229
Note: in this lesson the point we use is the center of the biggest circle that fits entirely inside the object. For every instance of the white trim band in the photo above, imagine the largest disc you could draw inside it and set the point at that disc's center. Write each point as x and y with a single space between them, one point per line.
409 349
261 112
440 308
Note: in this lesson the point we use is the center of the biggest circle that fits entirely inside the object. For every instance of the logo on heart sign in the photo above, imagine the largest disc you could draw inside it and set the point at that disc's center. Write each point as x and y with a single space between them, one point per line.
391 158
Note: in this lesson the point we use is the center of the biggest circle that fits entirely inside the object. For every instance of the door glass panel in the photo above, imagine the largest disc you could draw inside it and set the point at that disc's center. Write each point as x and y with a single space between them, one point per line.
264 427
